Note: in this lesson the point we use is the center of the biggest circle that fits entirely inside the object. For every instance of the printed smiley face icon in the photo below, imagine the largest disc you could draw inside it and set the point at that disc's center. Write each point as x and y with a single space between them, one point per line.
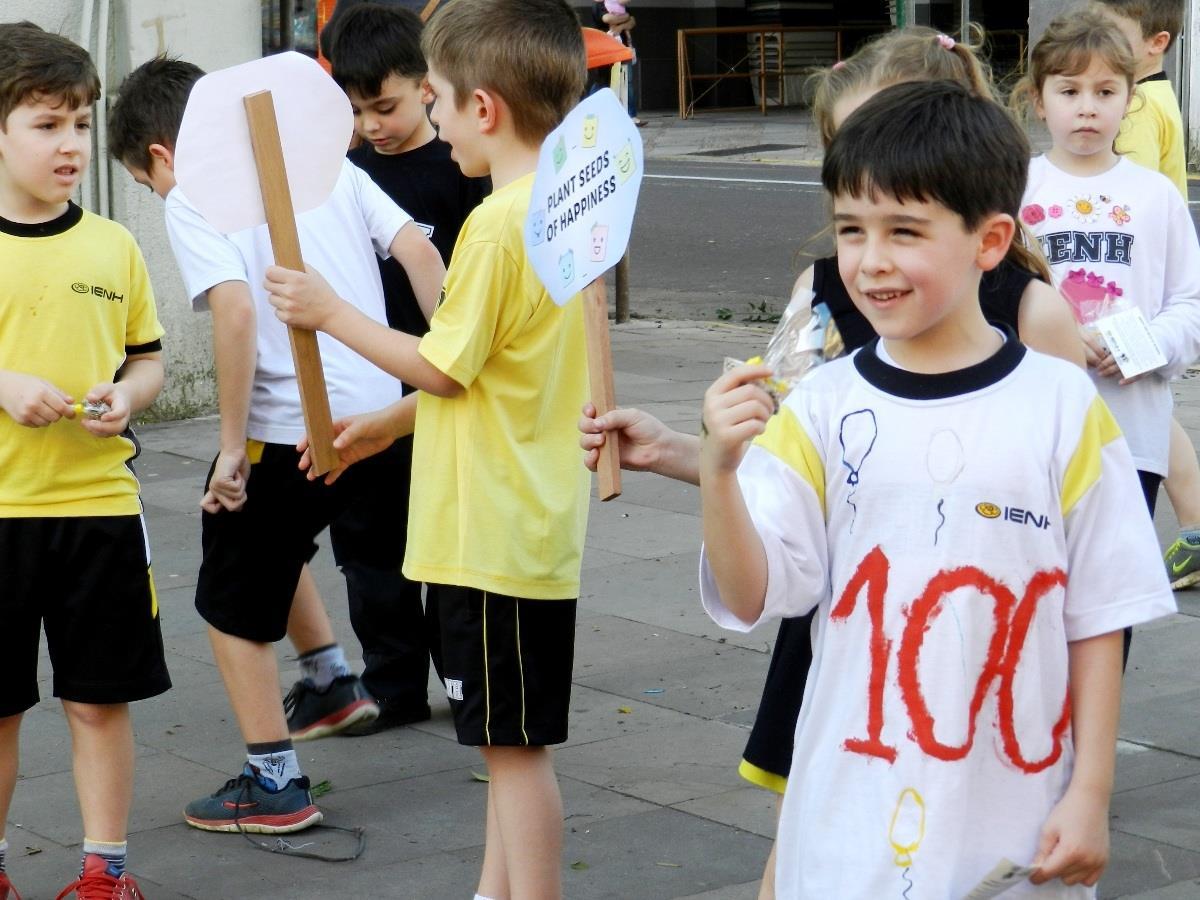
537 227
560 154
625 162
599 243
566 266
591 125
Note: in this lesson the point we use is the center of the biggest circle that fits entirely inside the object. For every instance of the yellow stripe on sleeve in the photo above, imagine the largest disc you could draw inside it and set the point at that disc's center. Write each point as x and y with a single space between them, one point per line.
761 777
787 440
1099 429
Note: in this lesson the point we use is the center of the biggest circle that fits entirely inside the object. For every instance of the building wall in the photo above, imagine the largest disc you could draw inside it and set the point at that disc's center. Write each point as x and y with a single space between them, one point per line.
121 34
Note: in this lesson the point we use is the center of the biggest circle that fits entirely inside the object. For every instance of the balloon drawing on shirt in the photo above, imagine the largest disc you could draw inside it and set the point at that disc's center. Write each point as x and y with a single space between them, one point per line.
906 832
944 460
1010 621
856 434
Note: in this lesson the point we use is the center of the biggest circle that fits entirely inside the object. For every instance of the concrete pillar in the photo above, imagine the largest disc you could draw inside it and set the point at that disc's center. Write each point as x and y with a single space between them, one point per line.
120 35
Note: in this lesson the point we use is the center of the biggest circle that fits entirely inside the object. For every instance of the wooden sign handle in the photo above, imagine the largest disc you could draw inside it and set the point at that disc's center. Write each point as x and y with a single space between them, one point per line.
285 243
600 373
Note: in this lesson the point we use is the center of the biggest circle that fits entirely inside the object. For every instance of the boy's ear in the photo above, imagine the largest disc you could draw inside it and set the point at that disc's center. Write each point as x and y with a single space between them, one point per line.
162 154
995 236
426 92
1158 44
488 109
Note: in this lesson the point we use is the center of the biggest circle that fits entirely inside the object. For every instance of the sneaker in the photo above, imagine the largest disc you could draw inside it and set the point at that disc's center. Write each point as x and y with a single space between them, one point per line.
391 715
313 714
7 891
243 804
1183 563
98 883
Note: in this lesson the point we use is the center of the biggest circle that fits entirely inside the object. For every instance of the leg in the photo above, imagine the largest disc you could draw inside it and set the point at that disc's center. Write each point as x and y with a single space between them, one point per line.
529 817
251 677
308 623
10 727
493 882
102 759
1183 478
766 890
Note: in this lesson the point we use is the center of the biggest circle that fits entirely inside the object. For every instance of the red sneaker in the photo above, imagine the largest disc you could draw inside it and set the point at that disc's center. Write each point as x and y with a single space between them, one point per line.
7 891
97 884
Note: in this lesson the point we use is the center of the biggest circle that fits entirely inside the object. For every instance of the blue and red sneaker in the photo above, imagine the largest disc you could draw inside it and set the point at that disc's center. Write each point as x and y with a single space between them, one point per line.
245 804
313 713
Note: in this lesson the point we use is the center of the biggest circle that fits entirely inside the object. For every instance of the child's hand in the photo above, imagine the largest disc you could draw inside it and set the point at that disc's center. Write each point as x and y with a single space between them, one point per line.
641 437
1093 347
116 420
227 486
301 299
1074 840
736 410
32 401
356 438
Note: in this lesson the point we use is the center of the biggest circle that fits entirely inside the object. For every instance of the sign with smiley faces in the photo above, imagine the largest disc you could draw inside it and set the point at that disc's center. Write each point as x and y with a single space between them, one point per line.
584 196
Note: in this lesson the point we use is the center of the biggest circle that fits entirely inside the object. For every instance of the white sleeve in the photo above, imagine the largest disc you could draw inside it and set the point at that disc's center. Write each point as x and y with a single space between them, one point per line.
1176 327
205 257
788 517
383 217
1116 576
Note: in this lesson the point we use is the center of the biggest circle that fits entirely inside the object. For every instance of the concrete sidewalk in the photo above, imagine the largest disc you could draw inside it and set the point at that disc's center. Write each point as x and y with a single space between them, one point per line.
660 709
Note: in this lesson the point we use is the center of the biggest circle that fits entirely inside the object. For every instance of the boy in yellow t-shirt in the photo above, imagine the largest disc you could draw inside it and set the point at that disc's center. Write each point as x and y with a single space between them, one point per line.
499 508
80 355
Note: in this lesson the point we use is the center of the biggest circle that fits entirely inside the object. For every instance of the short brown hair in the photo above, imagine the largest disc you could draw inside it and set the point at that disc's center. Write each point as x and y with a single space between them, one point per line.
1152 16
149 109
36 64
528 52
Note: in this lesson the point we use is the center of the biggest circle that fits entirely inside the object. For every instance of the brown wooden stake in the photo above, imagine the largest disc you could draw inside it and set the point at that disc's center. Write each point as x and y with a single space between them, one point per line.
429 9
285 243
599 351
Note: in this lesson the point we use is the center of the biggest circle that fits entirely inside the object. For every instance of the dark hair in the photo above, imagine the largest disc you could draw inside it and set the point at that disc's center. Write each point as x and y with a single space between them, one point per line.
149 108
931 141
328 37
1152 16
528 52
373 42
39 65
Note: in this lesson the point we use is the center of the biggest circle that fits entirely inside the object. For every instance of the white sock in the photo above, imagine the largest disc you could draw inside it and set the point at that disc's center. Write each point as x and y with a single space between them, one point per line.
275 769
323 665
481 897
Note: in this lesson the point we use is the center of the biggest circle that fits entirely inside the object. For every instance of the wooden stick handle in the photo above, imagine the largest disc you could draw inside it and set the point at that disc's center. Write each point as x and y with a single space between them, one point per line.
285 243
600 373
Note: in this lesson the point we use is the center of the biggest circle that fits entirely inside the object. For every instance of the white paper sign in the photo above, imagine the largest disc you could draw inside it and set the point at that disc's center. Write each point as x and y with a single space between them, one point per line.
1128 337
214 163
1005 875
584 195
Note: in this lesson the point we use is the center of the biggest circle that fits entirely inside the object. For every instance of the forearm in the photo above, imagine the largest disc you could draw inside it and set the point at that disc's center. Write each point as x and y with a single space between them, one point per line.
393 351
141 379
680 458
733 547
235 354
1095 686
422 264
401 416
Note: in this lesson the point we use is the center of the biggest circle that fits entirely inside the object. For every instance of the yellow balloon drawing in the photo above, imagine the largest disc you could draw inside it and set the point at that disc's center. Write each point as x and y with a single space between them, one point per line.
908 826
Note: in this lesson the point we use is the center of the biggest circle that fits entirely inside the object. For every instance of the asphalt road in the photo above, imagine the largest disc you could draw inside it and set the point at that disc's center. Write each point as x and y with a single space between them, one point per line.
718 235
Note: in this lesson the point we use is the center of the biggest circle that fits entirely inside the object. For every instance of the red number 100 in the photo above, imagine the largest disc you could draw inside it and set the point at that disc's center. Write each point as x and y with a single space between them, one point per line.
1012 621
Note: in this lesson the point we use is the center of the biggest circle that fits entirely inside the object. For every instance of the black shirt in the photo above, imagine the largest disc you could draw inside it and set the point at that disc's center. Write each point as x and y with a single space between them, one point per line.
1000 291
428 185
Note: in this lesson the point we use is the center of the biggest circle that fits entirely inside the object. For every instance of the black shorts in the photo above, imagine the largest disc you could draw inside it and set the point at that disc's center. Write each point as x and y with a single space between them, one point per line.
88 581
252 557
767 760
506 665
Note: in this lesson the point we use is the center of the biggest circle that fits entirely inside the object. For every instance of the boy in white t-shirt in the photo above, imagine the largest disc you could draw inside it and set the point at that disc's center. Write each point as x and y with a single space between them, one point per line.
260 513
948 501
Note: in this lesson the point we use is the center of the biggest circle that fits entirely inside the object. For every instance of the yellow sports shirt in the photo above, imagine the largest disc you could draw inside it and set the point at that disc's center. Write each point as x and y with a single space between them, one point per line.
1152 131
74 299
499 493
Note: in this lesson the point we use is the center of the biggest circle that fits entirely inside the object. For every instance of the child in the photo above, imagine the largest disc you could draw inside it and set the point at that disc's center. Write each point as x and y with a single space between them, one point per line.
907 479
260 515
1109 226
377 60
496 522
1152 135
80 355
1015 294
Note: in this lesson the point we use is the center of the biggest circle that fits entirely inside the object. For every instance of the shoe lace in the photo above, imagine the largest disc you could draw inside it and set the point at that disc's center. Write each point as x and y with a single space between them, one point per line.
299 689
7 891
103 886
282 845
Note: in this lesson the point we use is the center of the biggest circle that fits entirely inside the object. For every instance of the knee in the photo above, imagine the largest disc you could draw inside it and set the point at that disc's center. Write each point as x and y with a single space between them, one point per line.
95 715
